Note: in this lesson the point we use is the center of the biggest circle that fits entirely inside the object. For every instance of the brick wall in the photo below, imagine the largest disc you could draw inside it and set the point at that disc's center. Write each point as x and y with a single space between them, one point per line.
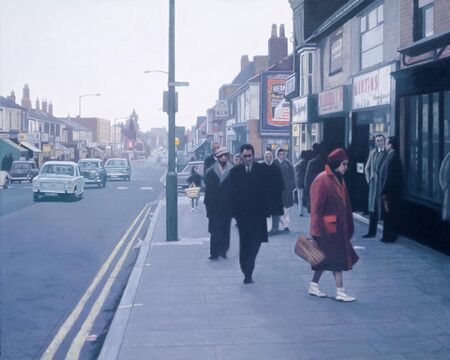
254 137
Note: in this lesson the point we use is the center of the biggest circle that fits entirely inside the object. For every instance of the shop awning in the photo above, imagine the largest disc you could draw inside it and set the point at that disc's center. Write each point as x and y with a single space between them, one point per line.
30 147
13 144
196 147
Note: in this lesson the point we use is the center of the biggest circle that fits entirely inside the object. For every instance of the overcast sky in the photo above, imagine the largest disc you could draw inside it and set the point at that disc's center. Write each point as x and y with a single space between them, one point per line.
67 48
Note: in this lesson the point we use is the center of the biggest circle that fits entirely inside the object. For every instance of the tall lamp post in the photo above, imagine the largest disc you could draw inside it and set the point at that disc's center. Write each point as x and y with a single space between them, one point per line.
79 101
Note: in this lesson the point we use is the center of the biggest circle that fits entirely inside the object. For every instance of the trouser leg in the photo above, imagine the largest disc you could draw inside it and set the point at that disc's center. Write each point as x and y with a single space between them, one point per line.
225 240
373 222
247 256
389 226
275 222
285 218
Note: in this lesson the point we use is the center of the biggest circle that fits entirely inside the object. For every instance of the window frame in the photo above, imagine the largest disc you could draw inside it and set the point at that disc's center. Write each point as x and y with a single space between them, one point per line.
379 19
419 19
306 65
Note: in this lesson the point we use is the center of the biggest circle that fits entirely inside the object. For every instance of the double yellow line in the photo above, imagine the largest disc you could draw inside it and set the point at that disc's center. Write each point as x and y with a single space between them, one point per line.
78 341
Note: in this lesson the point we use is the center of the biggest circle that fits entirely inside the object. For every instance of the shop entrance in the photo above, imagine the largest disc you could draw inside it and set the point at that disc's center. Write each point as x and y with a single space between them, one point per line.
334 133
358 151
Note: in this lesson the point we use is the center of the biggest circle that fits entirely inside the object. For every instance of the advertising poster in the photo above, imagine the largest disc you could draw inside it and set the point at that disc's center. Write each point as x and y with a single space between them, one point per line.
273 87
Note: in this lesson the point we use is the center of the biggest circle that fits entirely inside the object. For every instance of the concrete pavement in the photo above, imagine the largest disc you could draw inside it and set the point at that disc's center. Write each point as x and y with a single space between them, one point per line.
180 305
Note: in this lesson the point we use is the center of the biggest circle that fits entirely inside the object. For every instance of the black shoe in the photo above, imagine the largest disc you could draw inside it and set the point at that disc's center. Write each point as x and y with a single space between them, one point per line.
248 281
286 230
273 232
213 257
368 236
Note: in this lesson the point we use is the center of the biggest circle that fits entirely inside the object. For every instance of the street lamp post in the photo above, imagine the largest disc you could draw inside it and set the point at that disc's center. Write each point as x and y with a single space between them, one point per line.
79 102
171 179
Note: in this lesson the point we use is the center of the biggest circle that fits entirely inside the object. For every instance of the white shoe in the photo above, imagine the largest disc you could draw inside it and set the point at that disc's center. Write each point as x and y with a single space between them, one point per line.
315 291
341 295
192 210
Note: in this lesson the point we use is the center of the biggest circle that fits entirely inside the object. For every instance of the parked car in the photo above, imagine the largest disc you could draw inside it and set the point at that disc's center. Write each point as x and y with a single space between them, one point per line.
59 178
4 179
23 170
183 175
118 168
93 171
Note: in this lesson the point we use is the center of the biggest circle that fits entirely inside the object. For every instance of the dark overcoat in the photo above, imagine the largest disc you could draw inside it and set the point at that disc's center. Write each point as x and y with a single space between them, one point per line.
314 168
392 189
300 171
217 195
275 186
332 222
249 201
287 171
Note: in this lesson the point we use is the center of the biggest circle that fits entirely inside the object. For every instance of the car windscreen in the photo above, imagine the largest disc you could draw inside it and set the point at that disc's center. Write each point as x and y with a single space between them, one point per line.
89 165
119 163
21 166
58 169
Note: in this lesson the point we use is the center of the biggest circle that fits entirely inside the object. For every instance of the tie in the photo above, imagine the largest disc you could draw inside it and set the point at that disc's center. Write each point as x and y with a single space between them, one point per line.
248 169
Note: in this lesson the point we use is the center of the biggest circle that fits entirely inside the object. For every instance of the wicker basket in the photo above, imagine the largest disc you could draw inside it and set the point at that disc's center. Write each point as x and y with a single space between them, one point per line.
308 250
193 192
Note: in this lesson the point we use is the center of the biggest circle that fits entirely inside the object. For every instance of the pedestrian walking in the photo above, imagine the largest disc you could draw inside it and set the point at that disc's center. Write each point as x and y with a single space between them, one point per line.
391 194
211 158
332 224
300 172
444 181
217 203
314 167
275 186
287 172
249 208
376 181
194 180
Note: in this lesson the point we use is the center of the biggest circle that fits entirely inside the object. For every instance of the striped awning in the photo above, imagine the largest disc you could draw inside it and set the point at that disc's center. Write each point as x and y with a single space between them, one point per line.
30 147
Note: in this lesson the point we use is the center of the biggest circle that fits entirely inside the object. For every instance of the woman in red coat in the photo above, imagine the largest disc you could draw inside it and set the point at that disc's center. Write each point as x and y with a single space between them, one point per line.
332 224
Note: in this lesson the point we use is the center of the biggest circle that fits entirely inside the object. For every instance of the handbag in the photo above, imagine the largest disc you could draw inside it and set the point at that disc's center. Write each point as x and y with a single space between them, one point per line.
308 250
192 191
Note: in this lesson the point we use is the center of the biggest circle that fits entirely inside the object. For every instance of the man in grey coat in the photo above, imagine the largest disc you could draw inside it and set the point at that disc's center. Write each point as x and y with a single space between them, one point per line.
444 181
376 181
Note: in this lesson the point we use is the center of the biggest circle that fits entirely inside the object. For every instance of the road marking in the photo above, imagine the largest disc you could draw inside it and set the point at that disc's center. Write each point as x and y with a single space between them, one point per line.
70 321
122 187
78 341
146 188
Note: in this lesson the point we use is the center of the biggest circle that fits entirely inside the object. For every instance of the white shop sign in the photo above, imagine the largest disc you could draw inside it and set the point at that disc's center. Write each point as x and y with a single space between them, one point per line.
300 110
372 89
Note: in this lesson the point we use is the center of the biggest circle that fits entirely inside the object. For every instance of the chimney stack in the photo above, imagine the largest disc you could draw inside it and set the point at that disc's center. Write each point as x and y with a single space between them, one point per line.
44 105
26 100
244 61
12 97
50 108
38 106
278 46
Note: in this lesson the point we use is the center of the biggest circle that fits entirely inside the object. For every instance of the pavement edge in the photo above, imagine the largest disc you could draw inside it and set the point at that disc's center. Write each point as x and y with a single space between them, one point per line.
113 342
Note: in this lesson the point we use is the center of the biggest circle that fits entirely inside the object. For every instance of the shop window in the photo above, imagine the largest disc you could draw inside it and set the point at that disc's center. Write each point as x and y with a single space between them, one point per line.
372 33
336 52
423 19
423 156
306 73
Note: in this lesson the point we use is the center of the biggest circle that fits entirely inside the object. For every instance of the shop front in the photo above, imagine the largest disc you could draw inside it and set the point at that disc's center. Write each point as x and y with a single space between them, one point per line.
423 98
372 113
306 130
333 109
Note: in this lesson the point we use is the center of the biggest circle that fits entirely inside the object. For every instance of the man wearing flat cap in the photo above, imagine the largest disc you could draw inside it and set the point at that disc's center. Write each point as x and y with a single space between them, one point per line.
217 203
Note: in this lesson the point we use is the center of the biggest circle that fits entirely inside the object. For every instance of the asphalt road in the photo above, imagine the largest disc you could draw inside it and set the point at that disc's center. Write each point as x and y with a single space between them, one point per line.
52 251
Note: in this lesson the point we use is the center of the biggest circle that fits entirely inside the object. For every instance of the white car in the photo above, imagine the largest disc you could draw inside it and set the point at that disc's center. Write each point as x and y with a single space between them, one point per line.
4 179
59 178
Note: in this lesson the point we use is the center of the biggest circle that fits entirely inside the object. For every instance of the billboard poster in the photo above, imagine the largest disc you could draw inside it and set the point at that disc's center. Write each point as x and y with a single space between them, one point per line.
273 85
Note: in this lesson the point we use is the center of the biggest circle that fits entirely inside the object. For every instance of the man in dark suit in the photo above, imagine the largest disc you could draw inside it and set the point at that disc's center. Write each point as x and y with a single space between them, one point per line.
211 158
249 206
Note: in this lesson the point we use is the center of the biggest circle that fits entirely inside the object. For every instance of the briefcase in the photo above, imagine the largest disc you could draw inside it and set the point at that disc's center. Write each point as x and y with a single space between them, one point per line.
308 250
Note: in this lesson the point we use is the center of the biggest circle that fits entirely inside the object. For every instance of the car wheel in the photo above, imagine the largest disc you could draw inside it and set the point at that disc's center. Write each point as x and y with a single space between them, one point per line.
35 197
5 185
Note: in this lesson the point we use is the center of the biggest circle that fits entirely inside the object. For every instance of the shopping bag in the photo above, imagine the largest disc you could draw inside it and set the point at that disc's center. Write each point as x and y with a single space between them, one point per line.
308 250
193 191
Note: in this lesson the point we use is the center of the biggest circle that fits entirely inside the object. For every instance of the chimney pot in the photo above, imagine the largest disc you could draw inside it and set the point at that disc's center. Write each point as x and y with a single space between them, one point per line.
282 35
274 31
38 107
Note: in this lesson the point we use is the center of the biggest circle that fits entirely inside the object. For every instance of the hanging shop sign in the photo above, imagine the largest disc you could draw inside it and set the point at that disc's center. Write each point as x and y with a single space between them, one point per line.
331 101
372 89
273 85
300 110
295 130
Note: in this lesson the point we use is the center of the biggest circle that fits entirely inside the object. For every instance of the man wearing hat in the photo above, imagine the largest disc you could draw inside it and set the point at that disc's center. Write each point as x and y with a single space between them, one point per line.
217 203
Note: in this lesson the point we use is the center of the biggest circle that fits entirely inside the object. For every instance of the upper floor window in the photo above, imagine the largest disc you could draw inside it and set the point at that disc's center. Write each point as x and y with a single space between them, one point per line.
336 52
372 35
423 19
306 72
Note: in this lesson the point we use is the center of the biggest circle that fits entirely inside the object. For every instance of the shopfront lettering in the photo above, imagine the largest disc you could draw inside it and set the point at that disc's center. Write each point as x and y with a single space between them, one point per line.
372 89
331 101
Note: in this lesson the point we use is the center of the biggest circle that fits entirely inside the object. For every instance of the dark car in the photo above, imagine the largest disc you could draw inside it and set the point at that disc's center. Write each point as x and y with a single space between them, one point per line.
118 168
93 172
23 170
